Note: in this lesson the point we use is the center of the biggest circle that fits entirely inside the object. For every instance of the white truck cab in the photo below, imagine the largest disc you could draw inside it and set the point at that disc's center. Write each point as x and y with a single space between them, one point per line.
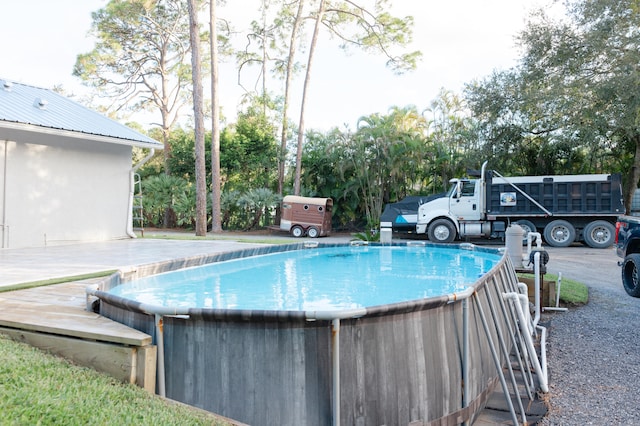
459 213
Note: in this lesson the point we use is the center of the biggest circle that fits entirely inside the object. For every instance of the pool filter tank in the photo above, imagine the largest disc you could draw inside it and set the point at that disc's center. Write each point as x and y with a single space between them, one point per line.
513 243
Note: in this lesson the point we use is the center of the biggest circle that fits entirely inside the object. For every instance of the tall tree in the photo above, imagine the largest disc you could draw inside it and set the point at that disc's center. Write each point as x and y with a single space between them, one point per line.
216 186
373 30
140 59
288 78
198 107
307 82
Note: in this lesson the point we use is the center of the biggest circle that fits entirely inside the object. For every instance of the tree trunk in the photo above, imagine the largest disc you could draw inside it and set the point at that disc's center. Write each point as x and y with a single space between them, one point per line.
307 80
201 172
282 157
256 220
265 37
216 223
166 151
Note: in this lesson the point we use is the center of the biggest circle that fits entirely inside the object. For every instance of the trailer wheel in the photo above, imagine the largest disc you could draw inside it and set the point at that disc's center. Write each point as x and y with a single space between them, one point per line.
599 234
313 232
631 274
442 231
297 231
559 233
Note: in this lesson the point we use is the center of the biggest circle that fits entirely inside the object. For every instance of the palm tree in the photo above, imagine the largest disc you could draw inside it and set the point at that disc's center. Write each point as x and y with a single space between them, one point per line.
258 202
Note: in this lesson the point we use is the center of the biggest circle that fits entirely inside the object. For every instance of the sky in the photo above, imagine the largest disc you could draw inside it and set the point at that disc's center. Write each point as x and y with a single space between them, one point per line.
461 40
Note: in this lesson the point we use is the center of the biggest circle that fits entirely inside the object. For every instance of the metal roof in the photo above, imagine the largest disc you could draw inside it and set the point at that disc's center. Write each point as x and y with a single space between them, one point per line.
35 109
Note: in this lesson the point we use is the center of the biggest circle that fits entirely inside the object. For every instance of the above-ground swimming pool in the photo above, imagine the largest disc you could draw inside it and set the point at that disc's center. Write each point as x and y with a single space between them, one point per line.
370 335
334 278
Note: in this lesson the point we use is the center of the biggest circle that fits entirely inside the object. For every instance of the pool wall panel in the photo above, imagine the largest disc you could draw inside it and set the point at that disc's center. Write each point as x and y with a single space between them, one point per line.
259 373
387 367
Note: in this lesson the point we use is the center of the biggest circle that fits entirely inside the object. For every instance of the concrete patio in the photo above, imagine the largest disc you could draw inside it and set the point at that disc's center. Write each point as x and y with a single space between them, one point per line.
26 265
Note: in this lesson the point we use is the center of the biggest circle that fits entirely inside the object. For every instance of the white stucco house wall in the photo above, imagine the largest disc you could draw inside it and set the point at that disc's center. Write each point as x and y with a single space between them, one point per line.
66 172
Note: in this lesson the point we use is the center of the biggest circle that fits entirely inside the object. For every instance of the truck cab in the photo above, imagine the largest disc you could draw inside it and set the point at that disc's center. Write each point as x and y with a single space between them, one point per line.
461 213
465 199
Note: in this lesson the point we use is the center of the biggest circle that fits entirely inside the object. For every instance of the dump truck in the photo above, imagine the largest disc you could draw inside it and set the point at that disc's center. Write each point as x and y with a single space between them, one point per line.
306 216
562 208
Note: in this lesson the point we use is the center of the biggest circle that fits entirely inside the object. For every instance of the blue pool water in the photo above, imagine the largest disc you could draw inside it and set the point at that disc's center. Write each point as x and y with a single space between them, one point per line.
316 279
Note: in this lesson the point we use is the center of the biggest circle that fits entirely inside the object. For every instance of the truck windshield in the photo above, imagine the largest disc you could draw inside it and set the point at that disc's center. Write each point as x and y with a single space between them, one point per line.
452 190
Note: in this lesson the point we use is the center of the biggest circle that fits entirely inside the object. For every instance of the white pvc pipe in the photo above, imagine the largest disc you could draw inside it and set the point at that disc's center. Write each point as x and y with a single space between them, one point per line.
557 307
530 236
540 371
543 350
524 305
558 289
522 288
5 236
524 300
536 271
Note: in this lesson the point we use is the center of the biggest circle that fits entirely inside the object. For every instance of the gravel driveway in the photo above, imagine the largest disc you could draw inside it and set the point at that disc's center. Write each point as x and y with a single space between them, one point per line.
593 351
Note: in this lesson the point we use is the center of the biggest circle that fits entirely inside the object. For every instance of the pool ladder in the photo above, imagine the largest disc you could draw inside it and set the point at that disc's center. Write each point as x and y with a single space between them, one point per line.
521 331
138 210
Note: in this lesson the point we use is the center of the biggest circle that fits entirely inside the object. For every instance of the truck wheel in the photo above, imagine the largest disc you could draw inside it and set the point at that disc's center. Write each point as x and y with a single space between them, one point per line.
442 231
313 232
631 274
559 233
528 227
599 234
297 231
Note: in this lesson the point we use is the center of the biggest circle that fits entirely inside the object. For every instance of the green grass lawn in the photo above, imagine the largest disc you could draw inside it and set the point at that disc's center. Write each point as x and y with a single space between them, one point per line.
37 388
571 292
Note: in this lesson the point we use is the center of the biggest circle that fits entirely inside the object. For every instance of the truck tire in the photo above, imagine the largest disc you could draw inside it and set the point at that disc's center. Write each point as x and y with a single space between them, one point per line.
559 233
527 226
631 274
599 234
442 231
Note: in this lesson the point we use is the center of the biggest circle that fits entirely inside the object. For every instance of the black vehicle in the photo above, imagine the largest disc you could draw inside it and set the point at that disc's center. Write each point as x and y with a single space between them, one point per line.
403 215
627 244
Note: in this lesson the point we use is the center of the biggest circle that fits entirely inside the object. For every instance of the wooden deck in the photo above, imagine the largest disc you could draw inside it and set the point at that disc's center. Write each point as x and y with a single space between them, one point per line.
54 319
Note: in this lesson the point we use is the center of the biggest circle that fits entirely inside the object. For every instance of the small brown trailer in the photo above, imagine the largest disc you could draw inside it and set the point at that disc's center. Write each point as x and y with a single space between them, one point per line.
308 216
